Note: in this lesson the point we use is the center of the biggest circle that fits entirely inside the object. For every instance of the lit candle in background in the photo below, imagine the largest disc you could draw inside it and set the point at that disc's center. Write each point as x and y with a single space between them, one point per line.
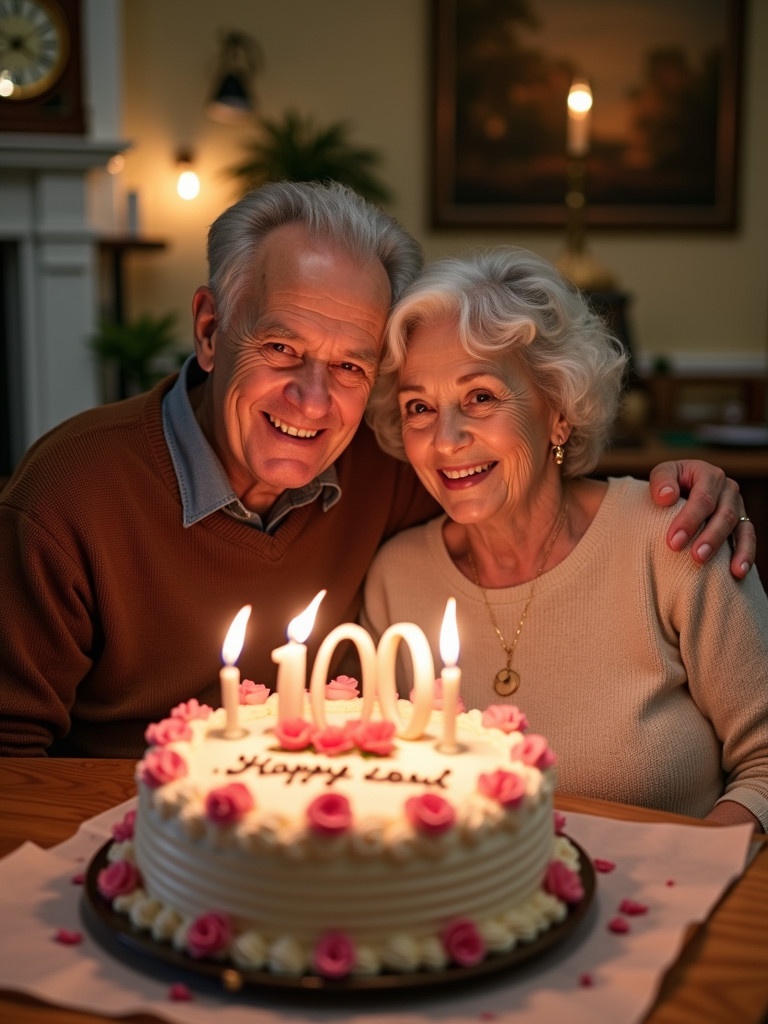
229 675
579 115
292 659
450 676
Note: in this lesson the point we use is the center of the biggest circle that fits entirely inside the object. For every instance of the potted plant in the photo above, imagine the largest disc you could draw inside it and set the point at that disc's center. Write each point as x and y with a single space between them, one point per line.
131 349
292 148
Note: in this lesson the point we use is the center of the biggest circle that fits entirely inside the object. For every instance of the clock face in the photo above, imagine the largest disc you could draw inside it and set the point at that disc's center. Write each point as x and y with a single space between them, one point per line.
34 48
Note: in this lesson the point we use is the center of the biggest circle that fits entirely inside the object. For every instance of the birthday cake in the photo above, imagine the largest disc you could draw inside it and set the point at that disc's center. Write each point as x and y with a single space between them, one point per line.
342 849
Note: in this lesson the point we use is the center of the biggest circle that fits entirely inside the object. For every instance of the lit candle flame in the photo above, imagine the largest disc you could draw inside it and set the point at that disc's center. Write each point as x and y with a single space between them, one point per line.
300 627
580 97
449 635
233 641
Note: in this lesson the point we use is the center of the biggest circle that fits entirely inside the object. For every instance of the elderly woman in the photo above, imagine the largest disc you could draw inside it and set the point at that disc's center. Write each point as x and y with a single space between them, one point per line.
648 673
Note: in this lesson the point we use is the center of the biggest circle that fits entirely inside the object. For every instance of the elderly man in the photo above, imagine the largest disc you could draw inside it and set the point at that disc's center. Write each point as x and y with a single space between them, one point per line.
132 534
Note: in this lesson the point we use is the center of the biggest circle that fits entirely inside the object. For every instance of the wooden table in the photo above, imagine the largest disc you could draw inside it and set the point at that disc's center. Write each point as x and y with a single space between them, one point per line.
721 975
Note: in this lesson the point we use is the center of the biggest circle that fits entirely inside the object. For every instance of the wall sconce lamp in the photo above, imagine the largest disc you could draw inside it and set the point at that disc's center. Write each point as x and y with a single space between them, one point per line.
232 100
188 183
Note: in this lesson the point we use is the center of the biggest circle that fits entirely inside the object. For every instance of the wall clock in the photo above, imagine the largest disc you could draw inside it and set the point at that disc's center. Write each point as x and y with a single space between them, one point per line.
40 66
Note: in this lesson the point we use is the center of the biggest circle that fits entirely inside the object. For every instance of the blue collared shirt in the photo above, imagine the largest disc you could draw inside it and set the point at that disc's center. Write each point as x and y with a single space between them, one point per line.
203 484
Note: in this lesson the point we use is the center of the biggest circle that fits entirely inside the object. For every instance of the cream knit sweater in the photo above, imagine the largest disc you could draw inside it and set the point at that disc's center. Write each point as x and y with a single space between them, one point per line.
647 673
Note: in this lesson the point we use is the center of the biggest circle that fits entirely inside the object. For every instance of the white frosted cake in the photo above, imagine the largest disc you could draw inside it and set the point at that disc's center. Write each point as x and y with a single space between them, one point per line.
345 850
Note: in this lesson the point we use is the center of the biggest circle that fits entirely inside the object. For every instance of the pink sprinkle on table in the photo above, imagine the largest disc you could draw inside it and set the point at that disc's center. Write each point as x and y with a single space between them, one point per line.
604 866
78 879
179 993
67 937
586 980
632 907
619 925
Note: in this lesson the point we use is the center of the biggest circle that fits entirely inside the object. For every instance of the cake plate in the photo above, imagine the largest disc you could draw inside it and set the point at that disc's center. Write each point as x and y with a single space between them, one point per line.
119 937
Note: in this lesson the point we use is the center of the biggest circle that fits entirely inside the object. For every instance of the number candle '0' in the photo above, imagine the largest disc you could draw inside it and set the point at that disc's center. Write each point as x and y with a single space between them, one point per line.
367 652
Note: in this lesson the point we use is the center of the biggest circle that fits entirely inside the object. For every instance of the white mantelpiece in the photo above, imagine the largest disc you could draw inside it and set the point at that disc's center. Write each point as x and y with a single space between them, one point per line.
52 306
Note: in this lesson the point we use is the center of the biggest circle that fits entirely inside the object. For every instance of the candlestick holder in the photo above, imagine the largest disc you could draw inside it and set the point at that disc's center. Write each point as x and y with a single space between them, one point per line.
577 263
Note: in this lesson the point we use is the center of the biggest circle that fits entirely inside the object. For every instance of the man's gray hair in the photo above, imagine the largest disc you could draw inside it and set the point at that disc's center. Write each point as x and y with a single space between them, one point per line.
329 211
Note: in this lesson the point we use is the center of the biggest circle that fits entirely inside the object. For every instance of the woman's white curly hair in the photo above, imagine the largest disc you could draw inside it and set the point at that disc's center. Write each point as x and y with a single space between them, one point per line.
503 300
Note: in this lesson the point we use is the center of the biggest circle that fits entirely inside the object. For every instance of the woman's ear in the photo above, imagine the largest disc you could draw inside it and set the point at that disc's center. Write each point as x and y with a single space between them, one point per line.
561 429
205 322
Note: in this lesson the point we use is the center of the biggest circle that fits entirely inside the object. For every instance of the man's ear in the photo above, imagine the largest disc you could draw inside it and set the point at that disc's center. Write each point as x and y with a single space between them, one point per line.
205 323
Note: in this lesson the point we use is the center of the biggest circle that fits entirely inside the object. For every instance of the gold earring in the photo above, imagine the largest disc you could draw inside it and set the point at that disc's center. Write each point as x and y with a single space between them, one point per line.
558 453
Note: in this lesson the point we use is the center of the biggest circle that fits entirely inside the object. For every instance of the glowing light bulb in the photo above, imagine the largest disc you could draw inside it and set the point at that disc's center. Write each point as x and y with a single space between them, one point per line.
188 185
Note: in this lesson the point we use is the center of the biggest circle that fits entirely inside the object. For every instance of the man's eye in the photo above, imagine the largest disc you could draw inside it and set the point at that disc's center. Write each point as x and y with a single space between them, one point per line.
351 368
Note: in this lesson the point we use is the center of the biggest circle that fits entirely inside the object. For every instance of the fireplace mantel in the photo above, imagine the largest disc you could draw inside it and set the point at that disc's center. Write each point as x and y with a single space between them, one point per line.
49 277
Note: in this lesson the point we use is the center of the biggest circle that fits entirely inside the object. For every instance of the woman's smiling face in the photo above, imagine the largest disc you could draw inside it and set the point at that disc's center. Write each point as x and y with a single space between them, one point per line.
476 430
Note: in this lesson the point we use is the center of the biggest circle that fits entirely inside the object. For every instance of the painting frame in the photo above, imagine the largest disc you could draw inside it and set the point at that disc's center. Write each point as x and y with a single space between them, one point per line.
479 182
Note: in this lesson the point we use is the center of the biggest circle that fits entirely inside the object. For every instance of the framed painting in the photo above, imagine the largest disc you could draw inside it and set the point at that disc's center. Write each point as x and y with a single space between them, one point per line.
662 148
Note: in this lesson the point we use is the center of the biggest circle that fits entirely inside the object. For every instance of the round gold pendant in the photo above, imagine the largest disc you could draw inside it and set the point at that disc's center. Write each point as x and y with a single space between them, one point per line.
506 682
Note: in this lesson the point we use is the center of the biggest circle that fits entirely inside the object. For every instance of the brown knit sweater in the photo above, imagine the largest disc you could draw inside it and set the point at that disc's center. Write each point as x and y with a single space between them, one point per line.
112 612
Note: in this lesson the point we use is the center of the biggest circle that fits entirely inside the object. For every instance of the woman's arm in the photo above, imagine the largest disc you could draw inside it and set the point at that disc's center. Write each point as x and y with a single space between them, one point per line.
728 812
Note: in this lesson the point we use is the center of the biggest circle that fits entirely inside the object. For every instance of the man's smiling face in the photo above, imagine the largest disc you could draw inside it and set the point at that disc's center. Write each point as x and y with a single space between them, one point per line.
290 380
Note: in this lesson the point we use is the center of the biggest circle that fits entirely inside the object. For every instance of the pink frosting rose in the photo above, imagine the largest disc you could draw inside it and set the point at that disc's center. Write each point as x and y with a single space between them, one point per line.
329 814
294 733
507 717
228 804
117 878
208 935
437 698
430 813
373 737
463 942
123 830
160 766
333 739
191 709
508 788
534 751
252 693
334 955
564 883
560 822
342 688
168 730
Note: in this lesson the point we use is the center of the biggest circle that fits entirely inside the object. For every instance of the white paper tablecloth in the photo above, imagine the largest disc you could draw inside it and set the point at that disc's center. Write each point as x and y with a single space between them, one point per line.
39 898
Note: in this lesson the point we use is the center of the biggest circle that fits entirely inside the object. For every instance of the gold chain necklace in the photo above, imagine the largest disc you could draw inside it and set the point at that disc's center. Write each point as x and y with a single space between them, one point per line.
507 680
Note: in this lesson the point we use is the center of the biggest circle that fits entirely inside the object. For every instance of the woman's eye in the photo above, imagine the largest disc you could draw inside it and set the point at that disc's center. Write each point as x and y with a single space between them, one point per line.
415 407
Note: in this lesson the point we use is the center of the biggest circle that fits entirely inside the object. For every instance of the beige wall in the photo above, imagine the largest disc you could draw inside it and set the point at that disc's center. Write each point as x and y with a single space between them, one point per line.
694 295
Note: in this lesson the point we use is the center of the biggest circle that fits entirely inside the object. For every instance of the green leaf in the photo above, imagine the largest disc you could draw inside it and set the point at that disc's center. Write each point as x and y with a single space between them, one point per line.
292 148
